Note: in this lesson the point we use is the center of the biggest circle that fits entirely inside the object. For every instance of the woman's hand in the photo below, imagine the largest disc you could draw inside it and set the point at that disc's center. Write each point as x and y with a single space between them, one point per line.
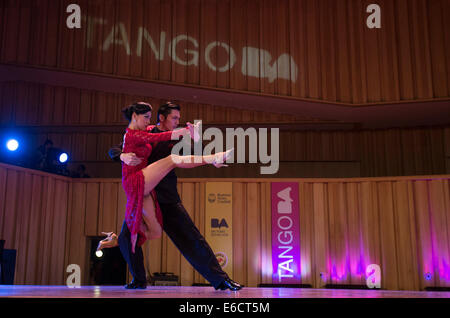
130 159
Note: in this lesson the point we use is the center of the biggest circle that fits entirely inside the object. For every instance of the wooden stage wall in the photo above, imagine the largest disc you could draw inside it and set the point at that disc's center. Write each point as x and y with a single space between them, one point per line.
400 223
317 49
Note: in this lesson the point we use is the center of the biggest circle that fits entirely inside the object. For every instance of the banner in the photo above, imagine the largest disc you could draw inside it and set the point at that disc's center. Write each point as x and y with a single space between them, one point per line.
219 220
285 233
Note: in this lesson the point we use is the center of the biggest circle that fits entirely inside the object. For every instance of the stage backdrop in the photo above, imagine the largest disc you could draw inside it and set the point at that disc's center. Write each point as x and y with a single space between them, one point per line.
399 223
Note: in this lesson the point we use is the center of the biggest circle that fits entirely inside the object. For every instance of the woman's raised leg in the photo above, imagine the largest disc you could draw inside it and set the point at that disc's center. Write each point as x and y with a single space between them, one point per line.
154 172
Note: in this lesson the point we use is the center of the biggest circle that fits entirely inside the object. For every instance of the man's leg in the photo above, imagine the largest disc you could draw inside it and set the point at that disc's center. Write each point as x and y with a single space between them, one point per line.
191 243
135 261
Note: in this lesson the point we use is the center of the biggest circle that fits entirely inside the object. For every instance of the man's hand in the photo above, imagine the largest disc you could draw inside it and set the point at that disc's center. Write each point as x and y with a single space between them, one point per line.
194 130
130 159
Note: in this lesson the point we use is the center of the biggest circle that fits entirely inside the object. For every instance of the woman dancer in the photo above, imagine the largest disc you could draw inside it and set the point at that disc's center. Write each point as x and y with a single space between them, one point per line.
143 215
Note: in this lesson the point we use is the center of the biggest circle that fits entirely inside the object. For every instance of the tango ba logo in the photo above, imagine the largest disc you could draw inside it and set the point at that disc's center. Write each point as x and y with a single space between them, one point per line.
286 233
222 259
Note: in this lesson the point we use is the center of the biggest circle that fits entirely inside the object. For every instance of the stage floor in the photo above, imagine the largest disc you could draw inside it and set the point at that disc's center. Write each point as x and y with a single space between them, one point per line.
33 291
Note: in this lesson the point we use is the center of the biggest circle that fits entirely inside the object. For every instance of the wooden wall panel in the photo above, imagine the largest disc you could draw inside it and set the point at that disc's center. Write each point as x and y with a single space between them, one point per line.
34 223
77 244
438 192
446 36
306 49
2 10
59 237
437 44
425 247
306 230
387 236
47 229
266 237
321 262
405 235
352 195
370 228
92 210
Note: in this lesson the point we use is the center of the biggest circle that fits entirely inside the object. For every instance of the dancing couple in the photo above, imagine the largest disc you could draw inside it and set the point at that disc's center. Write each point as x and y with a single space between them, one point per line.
153 203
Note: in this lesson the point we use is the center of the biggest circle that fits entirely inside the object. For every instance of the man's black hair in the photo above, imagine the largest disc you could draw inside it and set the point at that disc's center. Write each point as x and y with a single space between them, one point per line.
166 109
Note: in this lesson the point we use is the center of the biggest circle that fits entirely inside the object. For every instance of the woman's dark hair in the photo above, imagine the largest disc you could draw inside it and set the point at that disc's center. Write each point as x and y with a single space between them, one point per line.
166 109
138 108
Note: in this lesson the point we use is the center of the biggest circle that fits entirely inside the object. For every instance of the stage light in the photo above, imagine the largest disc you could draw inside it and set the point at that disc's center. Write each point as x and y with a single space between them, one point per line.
99 253
12 145
63 157
428 276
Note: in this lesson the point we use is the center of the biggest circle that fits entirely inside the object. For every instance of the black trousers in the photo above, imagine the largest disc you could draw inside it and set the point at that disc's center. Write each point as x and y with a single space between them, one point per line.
184 234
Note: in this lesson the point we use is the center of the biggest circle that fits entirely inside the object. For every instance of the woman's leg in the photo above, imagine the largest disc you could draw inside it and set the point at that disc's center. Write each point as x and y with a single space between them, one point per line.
154 172
152 228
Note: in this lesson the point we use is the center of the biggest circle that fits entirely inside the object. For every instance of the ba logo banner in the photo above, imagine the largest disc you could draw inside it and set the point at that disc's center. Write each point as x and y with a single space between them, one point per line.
219 220
285 233
216 223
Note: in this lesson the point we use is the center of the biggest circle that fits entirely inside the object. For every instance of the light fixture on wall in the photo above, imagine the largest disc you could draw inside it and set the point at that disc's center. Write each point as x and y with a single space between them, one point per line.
12 144
63 157
428 276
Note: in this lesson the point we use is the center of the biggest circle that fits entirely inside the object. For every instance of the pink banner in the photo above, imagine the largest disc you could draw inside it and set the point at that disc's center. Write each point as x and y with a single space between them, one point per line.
285 233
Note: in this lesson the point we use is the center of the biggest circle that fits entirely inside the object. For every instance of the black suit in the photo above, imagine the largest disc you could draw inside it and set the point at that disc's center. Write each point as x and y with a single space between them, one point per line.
176 223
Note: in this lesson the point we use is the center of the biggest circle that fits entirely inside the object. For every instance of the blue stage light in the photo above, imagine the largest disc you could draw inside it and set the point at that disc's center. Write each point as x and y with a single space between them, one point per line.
12 144
63 157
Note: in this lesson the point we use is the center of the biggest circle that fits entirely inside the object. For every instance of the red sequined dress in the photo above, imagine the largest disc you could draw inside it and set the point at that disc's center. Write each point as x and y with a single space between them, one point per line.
141 143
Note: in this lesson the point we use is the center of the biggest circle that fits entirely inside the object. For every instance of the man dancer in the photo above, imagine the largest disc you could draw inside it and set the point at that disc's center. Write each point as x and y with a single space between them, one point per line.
176 221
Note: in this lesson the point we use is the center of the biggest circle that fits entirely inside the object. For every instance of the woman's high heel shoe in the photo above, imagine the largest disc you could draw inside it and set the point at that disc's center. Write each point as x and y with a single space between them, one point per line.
111 240
222 157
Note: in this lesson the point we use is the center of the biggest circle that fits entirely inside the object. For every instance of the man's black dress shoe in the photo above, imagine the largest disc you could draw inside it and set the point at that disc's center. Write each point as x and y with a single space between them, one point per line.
229 284
136 285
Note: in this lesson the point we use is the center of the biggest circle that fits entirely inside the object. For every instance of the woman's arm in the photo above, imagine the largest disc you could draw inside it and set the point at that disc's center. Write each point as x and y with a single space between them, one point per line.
129 159
153 138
